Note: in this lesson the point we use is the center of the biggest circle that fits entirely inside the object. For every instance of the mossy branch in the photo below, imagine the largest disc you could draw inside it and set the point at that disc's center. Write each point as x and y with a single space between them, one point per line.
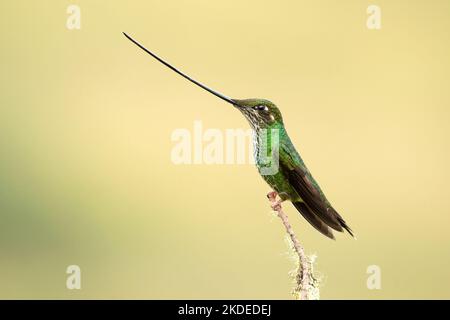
306 285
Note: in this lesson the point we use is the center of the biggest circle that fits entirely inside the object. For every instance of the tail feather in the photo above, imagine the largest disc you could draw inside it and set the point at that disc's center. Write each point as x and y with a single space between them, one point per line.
312 218
345 226
323 226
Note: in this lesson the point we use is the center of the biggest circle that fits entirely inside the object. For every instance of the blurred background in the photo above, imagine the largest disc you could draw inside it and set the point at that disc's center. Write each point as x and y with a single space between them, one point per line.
86 120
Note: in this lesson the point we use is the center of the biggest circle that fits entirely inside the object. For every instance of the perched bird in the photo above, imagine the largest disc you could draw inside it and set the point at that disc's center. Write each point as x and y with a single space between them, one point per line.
278 161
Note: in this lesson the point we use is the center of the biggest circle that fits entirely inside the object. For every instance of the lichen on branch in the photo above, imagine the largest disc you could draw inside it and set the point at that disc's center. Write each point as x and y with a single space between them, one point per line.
306 284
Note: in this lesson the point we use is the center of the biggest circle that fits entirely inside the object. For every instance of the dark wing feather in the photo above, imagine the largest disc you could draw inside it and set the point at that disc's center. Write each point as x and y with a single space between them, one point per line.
313 219
308 189
300 181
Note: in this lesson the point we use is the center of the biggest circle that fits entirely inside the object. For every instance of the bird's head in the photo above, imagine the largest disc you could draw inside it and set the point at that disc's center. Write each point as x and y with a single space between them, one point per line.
260 113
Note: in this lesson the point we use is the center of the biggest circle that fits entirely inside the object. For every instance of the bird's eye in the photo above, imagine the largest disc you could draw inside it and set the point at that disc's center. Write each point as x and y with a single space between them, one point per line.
261 108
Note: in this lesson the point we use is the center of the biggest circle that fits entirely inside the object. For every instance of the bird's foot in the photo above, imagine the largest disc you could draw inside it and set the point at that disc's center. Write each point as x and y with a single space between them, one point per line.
272 195
275 204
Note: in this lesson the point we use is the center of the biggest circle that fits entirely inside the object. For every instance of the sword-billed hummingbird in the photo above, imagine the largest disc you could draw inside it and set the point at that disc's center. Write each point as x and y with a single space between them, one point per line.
291 180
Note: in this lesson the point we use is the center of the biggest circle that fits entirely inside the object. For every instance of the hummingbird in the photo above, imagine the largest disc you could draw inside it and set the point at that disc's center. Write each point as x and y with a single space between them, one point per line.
291 179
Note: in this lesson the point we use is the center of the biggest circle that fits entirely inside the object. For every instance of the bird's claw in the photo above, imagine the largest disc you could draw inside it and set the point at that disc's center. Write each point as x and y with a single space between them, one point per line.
272 195
275 205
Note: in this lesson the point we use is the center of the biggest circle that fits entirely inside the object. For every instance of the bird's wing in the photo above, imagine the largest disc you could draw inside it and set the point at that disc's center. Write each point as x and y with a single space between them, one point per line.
313 219
307 188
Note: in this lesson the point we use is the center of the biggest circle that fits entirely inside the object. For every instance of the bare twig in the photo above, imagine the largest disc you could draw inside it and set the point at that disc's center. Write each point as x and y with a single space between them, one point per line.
306 285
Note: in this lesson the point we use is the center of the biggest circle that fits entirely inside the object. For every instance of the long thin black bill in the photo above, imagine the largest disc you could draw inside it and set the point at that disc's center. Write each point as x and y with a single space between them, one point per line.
201 85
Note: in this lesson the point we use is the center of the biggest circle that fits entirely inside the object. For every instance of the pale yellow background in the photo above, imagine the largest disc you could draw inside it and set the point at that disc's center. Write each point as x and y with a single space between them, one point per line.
85 124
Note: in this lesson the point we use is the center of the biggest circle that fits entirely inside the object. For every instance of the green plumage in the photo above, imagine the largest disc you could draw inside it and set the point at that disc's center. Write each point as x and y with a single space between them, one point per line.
283 169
